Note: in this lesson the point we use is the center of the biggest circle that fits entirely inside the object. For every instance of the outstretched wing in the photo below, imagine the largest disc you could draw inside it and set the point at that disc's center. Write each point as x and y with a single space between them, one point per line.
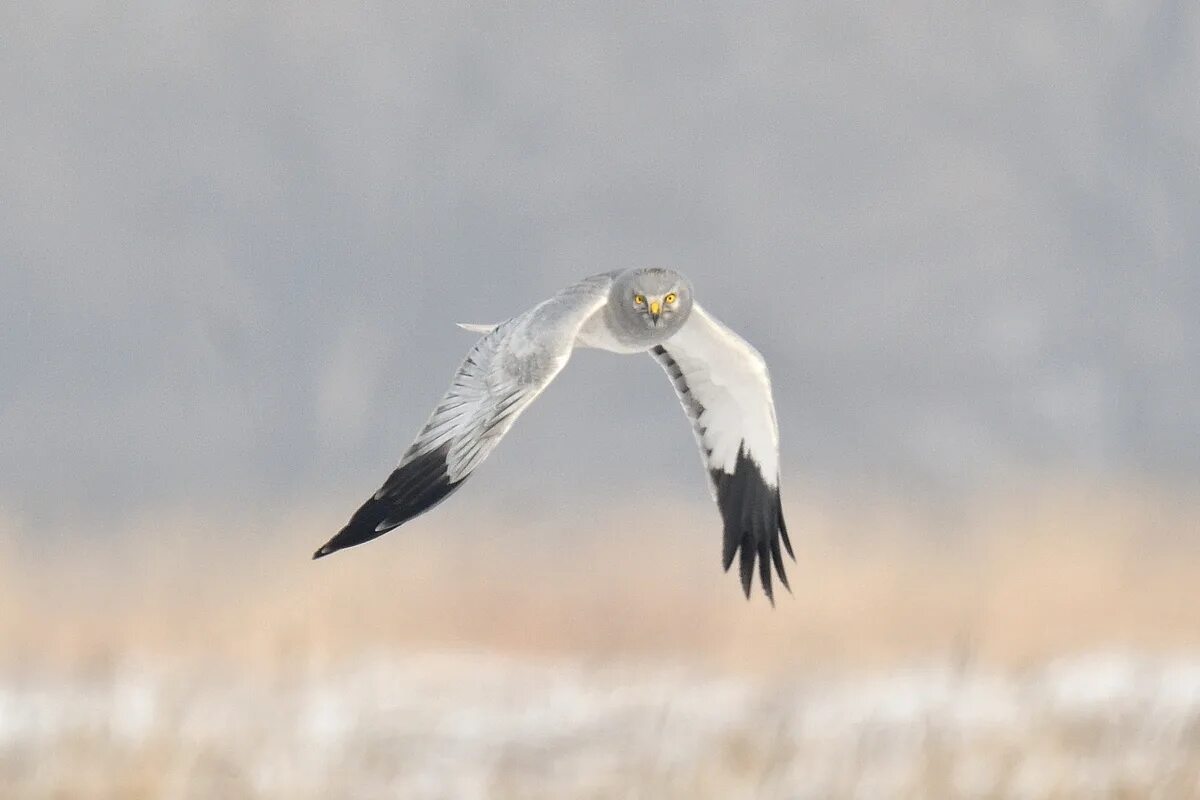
501 376
723 384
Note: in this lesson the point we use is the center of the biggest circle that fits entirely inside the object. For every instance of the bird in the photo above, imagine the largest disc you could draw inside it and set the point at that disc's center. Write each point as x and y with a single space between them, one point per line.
720 379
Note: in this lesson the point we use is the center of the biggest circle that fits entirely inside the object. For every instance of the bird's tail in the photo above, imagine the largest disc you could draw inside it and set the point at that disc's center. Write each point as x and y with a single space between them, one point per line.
475 327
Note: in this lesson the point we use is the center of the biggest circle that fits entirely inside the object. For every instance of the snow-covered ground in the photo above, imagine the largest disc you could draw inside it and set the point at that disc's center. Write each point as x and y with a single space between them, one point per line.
476 726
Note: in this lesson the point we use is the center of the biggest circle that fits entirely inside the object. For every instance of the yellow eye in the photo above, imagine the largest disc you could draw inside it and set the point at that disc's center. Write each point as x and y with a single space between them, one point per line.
670 299
639 300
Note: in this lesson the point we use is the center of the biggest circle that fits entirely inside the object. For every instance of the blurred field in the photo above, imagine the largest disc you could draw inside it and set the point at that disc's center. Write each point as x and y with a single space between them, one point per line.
474 726
1044 645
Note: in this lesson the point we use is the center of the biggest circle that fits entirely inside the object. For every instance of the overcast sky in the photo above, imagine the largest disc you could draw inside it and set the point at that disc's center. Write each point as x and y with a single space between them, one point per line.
235 237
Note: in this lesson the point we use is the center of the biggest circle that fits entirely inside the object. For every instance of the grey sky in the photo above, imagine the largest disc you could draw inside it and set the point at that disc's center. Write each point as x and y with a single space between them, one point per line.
236 237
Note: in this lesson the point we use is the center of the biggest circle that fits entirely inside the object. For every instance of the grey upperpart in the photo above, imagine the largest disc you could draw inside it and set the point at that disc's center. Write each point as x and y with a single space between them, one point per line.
635 293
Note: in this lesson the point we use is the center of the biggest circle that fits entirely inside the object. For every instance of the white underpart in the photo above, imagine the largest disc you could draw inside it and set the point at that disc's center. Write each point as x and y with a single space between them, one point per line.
729 379
596 333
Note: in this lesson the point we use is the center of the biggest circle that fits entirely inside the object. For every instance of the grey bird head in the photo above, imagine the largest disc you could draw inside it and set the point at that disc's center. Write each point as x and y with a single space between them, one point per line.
654 301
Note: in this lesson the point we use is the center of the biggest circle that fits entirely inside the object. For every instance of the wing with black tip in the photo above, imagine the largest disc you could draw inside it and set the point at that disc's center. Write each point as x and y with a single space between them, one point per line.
502 374
724 387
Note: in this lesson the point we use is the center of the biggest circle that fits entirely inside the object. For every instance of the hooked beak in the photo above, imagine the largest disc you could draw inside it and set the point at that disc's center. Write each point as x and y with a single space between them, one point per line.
655 310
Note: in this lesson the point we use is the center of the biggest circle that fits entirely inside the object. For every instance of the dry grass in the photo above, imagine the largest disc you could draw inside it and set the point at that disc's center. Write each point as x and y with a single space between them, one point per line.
193 656
1010 584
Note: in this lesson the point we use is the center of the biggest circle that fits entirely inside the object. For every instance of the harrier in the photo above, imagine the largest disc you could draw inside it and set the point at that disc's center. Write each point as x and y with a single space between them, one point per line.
720 379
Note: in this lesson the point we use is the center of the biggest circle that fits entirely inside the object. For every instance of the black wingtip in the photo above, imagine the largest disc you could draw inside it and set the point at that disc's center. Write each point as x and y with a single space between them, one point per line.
783 533
728 551
413 488
746 567
760 554
764 572
362 527
777 558
754 528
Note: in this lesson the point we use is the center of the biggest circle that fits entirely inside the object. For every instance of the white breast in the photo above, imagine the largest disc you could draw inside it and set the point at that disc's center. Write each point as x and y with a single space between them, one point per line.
596 333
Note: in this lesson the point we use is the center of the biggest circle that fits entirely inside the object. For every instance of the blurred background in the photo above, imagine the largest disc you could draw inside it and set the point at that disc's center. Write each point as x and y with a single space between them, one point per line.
234 243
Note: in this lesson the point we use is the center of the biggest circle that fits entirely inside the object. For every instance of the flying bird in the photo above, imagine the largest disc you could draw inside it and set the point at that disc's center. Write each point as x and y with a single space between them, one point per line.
720 379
